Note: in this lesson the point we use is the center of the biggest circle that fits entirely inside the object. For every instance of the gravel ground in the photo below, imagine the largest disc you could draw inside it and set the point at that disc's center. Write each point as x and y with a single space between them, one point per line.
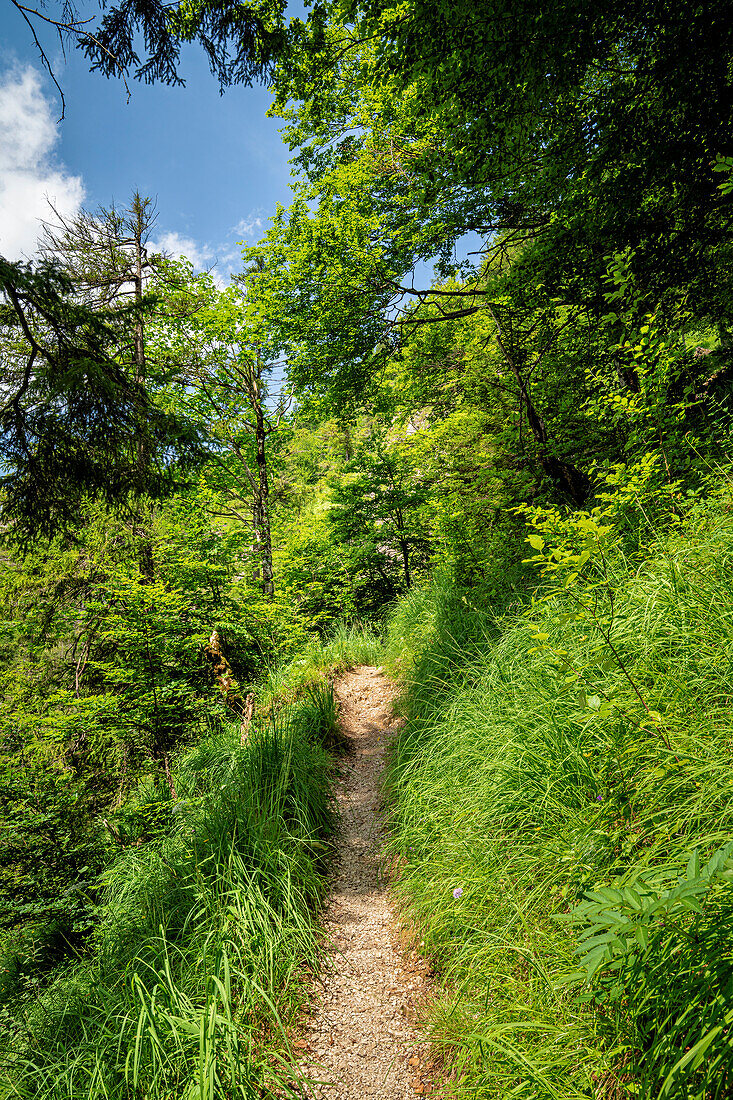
361 1041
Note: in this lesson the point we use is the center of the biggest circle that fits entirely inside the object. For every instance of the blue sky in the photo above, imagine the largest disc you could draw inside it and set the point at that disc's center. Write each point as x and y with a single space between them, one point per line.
215 164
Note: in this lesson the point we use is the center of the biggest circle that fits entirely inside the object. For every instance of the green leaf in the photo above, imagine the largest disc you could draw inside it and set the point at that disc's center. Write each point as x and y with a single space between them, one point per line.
693 866
642 935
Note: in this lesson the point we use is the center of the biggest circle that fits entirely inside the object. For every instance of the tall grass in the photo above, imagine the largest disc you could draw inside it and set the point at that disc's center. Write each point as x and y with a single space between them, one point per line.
551 832
349 645
199 960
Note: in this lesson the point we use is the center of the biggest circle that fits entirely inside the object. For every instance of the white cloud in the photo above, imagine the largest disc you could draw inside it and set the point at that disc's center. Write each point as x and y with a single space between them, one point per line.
231 258
247 227
29 177
201 256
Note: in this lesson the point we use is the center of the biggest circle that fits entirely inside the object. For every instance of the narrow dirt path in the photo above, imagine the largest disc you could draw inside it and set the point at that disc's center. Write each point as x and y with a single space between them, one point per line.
360 1042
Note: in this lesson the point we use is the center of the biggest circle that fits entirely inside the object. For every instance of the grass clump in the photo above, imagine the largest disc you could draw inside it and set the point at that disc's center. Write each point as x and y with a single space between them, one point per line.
198 961
349 645
562 816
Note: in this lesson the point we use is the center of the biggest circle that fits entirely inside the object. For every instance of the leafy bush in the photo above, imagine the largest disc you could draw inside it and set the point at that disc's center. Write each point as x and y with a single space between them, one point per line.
663 949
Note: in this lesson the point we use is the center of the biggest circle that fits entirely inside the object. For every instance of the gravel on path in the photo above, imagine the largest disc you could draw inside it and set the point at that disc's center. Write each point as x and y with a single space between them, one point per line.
360 1043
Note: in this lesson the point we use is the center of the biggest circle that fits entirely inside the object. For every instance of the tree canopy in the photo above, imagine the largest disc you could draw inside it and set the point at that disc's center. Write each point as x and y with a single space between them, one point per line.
473 134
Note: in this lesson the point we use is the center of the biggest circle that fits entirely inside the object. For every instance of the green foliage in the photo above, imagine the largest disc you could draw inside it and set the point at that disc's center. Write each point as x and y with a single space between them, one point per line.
515 784
658 944
105 679
460 117
376 520
197 960
724 164
240 45
72 411
561 794
315 571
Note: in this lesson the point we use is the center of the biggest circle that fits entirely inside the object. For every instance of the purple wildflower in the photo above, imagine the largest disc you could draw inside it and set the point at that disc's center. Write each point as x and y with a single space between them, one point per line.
458 892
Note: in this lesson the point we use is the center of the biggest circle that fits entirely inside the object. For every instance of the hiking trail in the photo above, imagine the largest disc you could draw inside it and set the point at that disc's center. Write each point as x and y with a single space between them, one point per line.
360 1041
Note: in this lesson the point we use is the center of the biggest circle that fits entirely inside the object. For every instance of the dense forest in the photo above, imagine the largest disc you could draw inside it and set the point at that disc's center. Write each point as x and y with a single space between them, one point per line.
465 411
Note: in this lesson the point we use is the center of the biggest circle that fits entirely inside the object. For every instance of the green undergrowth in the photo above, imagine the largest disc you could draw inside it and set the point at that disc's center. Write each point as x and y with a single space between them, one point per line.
348 646
562 818
206 933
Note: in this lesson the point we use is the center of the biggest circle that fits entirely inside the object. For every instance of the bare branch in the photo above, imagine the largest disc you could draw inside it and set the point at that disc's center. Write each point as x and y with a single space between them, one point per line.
68 27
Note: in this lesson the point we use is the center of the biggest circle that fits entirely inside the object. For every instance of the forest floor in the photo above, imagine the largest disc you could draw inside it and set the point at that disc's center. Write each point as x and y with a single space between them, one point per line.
361 1040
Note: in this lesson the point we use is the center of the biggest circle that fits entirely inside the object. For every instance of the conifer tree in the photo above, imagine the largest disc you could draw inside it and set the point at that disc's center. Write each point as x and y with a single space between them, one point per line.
107 254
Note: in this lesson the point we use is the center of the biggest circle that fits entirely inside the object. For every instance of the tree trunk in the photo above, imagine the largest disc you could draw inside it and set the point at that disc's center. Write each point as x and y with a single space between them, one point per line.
565 475
145 561
406 562
260 511
145 548
403 543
